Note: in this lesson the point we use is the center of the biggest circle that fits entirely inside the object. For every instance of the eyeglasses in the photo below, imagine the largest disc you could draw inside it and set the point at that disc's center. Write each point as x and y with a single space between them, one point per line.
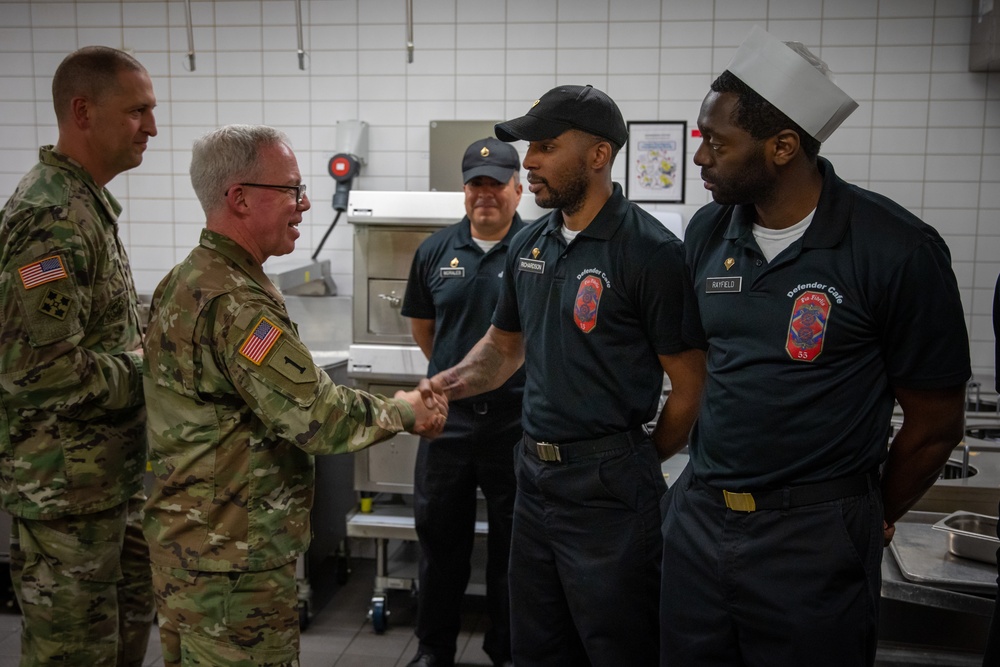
300 190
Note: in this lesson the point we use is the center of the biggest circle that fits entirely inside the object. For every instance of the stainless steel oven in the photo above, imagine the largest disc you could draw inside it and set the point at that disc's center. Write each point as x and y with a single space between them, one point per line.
383 358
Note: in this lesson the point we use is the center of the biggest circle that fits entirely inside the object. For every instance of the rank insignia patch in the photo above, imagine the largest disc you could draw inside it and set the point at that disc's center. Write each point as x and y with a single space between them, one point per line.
41 272
55 305
453 270
117 310
260 342
588 298
807 329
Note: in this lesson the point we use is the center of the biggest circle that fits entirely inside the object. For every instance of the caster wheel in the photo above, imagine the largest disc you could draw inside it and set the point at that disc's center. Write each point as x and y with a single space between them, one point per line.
379 614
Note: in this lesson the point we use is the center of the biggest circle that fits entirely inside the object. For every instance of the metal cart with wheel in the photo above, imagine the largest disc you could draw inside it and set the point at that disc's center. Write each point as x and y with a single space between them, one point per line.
397 568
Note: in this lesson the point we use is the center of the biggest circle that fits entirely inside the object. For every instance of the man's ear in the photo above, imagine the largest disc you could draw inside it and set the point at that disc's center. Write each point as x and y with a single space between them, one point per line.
79 111
786 146
601 155
236 199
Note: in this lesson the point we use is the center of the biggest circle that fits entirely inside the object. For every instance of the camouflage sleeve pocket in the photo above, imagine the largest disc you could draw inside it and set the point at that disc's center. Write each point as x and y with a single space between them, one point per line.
277 359
48 297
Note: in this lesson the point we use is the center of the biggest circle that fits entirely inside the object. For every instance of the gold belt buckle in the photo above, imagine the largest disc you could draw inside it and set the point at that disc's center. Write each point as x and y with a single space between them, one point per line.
547 451
741 502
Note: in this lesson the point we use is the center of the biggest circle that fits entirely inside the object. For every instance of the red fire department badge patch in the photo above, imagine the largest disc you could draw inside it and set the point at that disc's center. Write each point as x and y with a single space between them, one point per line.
807 329
588 298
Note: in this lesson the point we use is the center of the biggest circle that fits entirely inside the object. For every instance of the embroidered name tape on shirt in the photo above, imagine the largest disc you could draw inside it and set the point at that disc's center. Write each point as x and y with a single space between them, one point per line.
723 285
260 342
531 265
43 271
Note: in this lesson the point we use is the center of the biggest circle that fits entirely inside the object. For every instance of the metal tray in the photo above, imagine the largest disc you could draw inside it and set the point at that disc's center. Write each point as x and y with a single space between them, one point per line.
971 535
923 558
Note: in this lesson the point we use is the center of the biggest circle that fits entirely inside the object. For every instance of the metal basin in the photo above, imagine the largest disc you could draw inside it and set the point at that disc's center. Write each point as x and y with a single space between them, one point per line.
978 491
953 470
983 430
971 535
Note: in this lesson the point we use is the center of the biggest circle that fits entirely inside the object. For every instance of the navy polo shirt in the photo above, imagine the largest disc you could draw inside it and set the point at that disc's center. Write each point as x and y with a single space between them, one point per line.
453 282
996 336
594 316
803 351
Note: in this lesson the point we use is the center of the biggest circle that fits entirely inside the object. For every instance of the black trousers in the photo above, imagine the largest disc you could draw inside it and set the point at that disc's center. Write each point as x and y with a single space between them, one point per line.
585 559
476 450
775 588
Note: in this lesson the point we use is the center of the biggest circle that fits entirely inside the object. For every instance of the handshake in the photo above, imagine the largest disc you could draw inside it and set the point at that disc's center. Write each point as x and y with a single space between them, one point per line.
430 407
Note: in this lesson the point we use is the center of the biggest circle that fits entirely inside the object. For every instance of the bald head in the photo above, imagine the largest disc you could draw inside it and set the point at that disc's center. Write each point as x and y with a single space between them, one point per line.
91 72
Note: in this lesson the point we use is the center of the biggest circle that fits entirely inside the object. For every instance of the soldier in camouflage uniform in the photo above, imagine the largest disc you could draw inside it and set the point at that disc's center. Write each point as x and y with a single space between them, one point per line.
237 410
72 431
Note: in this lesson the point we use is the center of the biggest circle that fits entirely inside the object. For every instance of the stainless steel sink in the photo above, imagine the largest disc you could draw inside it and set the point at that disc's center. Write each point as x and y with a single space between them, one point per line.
978 491
955 470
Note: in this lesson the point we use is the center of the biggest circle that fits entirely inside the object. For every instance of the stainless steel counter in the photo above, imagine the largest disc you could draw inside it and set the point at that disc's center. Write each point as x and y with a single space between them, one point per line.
930 574
935 607
980 492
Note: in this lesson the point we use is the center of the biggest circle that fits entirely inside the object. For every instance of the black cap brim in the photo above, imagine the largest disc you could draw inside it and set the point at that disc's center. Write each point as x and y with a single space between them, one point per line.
499 174
530 128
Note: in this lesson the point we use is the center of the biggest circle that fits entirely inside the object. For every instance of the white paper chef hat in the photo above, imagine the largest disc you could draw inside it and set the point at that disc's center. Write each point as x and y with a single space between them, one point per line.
791 83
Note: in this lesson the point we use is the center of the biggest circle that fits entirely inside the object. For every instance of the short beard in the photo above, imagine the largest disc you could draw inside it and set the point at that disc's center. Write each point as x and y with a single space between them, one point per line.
570 198
754 183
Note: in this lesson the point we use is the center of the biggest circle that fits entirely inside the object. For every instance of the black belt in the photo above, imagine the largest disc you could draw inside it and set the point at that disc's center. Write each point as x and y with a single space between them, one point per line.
564 452
797 496
486 407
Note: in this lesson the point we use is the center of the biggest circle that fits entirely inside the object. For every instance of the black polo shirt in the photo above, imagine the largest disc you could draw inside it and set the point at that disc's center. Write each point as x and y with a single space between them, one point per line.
594 316
455 284
803 351
996 336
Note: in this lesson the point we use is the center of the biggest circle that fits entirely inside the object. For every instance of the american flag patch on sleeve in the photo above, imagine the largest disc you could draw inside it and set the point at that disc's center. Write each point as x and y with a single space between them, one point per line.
43 271
260 342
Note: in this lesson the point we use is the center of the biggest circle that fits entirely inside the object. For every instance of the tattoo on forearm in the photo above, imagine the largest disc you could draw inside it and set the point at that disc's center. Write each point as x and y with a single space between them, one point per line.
479 370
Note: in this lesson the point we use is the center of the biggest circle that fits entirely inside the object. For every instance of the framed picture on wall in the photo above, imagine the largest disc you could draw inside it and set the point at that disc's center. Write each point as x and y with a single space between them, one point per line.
654 161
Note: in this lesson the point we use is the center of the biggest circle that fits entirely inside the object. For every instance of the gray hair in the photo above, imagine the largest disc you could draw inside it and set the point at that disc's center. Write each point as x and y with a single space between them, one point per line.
229 155
90 72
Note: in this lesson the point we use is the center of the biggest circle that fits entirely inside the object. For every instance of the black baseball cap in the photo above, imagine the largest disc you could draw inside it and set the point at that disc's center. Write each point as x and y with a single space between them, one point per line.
568 107
490 157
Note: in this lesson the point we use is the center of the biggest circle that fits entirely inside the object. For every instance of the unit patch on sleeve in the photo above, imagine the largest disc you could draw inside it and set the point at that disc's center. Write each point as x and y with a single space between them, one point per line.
807 328
260 341
55 304
41 272
588 298
293 361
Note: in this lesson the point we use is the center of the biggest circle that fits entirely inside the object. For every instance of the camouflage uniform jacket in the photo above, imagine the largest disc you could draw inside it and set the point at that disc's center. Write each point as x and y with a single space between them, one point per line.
237 409
72 434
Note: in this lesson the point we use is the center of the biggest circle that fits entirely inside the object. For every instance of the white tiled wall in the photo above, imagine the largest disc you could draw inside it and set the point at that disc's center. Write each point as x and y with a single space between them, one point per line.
927 132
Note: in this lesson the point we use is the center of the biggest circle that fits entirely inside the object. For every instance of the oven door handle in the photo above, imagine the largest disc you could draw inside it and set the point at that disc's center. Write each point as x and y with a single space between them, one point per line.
394 301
